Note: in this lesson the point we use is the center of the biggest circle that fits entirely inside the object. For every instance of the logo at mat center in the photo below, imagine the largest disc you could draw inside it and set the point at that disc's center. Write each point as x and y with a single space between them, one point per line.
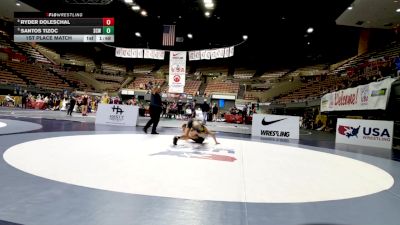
199 151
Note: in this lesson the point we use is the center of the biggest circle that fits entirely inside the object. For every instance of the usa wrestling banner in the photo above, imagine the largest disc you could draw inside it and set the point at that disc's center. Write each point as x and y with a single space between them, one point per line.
177 71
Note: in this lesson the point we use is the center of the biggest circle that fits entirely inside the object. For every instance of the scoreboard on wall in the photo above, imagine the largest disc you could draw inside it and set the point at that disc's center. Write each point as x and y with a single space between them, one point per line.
62 27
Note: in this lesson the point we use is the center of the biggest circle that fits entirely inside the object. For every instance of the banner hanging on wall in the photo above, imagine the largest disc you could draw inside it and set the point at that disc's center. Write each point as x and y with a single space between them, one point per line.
211 54
177 71
160 54
371 96
139 53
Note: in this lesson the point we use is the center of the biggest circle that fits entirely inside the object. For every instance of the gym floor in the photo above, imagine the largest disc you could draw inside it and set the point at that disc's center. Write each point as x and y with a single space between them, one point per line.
59 170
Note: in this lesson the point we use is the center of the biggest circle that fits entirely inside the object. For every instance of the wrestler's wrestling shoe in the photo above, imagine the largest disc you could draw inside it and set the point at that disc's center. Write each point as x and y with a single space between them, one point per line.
175 140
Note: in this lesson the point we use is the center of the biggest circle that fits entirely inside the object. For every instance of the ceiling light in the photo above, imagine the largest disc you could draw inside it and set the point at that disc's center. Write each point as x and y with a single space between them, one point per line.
143 13
207 1
128 1
135 8
397 10
207 14
190 36
350 7
310 30
245 37
308 43
137 34
18 4
209 5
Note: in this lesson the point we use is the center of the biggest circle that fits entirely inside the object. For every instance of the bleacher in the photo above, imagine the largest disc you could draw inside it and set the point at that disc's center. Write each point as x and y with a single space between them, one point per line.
274 74
313 70
141 82
79 59
113 68
33 53
3 42
191 87
250 97
67 75
243 74
143 69
109 78
7 77
389 51
212 71
313 89
6 46
222 87
38 76
339 77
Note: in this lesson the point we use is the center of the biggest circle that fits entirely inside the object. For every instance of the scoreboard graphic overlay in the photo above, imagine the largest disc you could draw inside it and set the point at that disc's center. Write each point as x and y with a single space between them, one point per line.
62 27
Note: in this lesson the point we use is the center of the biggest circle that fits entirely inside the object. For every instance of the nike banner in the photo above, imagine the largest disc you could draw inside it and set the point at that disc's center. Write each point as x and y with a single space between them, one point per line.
275 126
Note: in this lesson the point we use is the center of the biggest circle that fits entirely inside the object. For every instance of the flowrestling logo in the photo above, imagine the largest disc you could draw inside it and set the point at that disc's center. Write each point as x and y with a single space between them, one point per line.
368 133
200 151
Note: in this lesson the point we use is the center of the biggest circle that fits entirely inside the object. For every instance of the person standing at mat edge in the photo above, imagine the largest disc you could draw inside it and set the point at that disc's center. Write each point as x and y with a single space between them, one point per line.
155 110
24 99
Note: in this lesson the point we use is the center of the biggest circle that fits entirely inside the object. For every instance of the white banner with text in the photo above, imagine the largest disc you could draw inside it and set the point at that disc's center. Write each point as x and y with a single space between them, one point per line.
275 126
177 71
371 96
119 115
371 133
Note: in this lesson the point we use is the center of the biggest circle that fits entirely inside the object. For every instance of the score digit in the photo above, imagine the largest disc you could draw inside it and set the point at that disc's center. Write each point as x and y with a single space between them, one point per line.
108 30
108 21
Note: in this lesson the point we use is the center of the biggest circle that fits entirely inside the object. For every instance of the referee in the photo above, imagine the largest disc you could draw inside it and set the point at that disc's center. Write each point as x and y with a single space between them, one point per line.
155 110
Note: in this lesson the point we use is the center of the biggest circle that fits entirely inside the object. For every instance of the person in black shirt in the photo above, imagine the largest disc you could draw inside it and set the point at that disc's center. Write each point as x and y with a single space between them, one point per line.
24 99
180 109
215 112
72 102
244 113
155 110
205 108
